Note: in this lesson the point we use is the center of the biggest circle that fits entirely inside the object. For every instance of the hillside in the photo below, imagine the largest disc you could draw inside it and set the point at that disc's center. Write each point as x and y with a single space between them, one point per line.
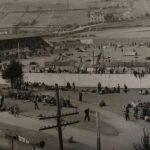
19 12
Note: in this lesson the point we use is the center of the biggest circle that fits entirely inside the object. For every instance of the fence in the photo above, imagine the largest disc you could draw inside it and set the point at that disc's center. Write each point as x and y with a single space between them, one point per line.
8 143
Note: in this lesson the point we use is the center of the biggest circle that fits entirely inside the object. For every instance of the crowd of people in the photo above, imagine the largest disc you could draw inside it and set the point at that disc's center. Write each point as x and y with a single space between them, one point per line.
35 85
145 110
98 70
139 110
27 86
139 74
107 90
14 109
47 99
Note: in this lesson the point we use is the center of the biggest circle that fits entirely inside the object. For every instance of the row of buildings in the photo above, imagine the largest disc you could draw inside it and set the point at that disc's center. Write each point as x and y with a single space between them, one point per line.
99 16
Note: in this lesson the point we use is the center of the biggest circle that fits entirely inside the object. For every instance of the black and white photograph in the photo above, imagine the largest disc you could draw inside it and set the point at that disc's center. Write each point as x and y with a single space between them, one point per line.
74 74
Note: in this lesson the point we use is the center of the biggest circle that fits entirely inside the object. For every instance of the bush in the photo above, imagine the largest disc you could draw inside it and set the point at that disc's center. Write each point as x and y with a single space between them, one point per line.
145 142
102 104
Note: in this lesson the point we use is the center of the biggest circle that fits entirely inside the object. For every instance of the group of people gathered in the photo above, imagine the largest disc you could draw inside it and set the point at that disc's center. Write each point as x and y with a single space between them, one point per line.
139 74
107 90
13 109
36 98
139 110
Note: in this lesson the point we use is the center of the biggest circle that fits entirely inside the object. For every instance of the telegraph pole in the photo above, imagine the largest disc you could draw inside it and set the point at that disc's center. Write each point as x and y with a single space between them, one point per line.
12 144
18 51
93 58
59 118
68 3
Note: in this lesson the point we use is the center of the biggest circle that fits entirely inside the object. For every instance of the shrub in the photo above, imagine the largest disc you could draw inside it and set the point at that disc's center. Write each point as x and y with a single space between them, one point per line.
102 104
145 142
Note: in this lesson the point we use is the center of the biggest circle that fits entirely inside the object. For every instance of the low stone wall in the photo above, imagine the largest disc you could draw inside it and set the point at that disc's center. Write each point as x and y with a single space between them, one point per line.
6 144
89 80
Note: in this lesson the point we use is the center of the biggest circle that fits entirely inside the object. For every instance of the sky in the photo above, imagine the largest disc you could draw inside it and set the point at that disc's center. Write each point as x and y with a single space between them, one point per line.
45 1
140 5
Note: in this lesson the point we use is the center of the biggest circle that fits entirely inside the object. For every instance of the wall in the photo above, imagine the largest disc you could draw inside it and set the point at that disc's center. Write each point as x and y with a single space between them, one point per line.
5 143
89 80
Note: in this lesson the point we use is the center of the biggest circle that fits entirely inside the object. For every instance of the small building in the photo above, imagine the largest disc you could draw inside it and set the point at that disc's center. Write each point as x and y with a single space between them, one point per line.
34 67
87 41
66 66
96 16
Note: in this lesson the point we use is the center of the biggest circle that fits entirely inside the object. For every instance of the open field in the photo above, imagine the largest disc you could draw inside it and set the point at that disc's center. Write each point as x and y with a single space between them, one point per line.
115 131
122 33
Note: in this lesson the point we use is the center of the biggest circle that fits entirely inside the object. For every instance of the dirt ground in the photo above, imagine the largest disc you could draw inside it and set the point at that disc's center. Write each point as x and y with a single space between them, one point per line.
114 128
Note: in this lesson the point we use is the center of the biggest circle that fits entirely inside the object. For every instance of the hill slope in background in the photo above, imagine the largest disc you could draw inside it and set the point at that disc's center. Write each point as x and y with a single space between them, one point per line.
142 5
39 19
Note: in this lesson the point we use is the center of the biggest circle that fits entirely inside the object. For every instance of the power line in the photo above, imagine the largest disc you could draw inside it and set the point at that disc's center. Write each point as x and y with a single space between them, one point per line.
58 117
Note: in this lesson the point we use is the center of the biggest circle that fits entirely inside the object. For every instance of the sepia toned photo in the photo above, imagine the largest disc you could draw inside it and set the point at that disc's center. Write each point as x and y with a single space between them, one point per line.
74 74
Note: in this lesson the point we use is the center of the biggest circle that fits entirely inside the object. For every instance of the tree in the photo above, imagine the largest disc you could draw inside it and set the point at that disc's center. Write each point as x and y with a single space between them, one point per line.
147 15
145 142
109 18
14 73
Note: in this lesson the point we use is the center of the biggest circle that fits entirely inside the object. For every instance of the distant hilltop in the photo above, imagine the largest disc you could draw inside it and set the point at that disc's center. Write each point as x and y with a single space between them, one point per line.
46 13
136 4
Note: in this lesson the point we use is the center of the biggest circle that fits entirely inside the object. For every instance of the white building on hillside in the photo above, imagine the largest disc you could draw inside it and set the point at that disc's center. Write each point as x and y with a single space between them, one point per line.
96 16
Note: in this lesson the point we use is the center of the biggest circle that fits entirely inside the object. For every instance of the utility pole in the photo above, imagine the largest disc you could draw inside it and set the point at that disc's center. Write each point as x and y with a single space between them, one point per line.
12 144
33 147
18 51
58 117
68 5
93 58
98 131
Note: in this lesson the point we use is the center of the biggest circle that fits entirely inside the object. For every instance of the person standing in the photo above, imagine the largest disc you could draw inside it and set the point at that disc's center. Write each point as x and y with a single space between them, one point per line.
16 111
118 88
73 86
2 99
36 107
136 112
125 88
80 96
127 116
99 87
87 114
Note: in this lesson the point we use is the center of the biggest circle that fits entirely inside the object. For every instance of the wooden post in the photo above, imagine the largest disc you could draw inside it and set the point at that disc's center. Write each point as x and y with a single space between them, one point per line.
67 5
18 51
12 144
98 131
93 58
33 147
59 117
